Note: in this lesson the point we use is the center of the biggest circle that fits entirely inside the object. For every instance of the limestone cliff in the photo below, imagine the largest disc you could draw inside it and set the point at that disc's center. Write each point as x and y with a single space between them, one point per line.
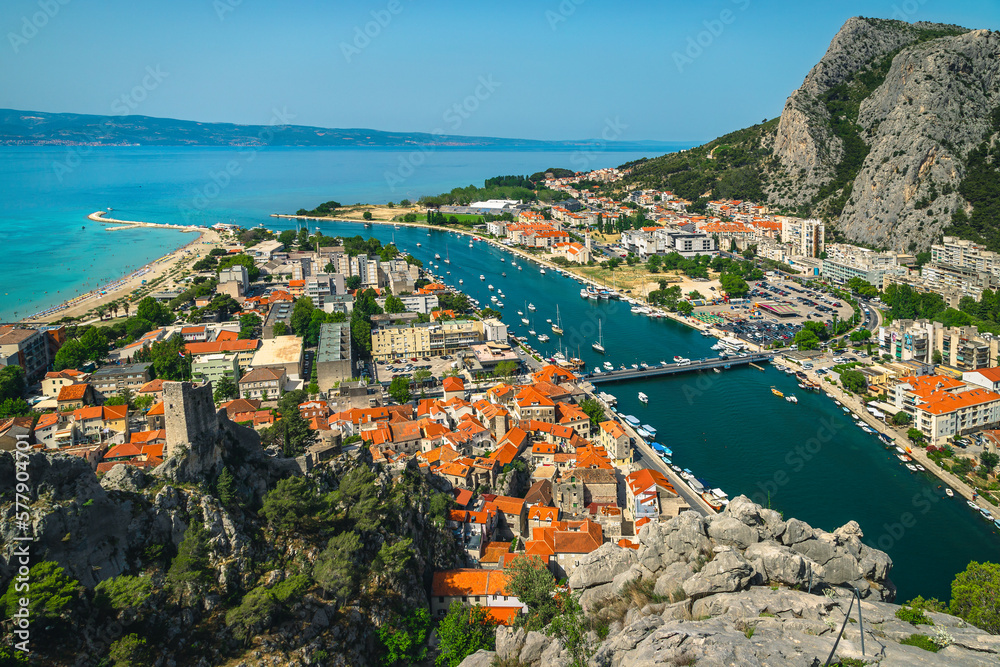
747 588
876 140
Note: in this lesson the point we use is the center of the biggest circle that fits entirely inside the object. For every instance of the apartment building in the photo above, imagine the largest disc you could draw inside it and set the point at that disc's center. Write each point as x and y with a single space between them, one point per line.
111 380
844 262
964 348
27 348
334 356
807 237
943 407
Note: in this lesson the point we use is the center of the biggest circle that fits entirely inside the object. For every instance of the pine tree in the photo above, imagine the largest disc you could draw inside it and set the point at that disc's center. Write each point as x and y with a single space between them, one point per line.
226 487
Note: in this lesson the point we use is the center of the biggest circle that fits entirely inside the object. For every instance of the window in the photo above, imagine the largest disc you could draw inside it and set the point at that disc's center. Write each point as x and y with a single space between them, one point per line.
441 598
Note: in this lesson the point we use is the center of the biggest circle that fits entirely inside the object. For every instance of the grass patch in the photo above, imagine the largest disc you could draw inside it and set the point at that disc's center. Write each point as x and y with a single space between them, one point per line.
921 641
636 594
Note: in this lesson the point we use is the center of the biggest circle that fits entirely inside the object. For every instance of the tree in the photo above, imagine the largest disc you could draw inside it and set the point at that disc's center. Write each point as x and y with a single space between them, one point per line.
421 375
14 407
287 238
685 308
95 344
462 632
505 369
280 329
974 595
806 340
733 285
51 592
937 357
916 435
399 389
529 580
153 311
249 326
130 651
123 592
989 460
291 505
593 410
654 263
301 315
570 627
225 389
860 335
190 565
72 354
854 382
353 282
169 360
337 570
367 215
225 487
404 638
901 418
393 304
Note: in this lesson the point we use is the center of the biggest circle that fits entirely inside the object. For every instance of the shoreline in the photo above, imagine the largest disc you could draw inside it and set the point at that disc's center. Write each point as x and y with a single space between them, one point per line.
689 322
115 290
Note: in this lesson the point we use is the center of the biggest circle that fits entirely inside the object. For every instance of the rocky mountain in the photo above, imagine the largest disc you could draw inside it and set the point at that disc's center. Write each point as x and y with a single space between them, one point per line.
878 139
747 588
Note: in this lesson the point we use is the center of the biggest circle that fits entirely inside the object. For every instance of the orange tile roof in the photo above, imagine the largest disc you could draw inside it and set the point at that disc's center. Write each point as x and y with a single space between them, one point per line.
73 392
226 336
143 437
151 387
468 582
217 346
153 451
453 384
509 505
504 454
46 420
121 451
155 410
90 412
612 428
543 513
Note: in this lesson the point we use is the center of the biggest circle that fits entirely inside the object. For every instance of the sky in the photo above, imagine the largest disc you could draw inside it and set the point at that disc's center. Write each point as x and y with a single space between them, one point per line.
541 69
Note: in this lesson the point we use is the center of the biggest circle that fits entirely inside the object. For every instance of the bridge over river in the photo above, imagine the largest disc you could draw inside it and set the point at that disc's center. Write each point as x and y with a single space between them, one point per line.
674 369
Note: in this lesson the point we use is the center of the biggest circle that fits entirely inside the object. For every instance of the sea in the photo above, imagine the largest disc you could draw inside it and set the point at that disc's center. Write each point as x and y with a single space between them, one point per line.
806 460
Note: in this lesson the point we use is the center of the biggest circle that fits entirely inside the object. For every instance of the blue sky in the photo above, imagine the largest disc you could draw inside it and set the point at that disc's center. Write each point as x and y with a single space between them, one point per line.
546 69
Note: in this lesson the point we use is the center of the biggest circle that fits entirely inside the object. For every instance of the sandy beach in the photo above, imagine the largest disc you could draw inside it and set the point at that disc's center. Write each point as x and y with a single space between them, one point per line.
188 254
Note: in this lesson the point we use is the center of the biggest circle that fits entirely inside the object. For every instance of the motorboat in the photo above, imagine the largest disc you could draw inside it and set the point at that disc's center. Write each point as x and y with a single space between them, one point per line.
972 504
608 366
482 277
531 306
532 332
460 281
543 338
791 398
643 398
911 467
524 321
635 367
867 429
948 492
542 271
520 312
489 287
437 256
652 431
777 393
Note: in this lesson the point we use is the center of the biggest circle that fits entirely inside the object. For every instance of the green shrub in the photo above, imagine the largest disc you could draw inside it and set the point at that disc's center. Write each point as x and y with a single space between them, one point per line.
123 592
51 592
190 565
130 651
913 616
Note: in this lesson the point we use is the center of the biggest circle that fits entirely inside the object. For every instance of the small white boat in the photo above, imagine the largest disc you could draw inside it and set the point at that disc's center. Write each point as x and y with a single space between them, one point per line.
972 504
948 492
716 370
489 287
482 277
543 271
608 366
520 312
791 398
418 245
643 398
524 320
911 467
543 338
437 256
531 306
460 281
599 345
499 304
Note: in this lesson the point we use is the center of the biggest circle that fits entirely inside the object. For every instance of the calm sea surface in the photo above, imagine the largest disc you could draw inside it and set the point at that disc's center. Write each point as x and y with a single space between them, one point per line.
807 460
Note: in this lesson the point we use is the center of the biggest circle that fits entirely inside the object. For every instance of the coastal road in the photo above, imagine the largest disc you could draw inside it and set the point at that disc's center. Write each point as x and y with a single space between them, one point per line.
645 457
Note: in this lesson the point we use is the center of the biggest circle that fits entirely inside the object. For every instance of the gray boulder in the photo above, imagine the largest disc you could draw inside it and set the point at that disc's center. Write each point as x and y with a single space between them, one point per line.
534 644
728 571
481 658
672 578
730 531
124 478
778 563
601 566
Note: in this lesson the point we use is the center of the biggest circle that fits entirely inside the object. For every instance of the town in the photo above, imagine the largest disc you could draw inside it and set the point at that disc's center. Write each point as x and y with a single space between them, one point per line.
345 347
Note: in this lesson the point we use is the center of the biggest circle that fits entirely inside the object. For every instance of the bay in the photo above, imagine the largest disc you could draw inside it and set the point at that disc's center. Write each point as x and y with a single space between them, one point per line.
54 253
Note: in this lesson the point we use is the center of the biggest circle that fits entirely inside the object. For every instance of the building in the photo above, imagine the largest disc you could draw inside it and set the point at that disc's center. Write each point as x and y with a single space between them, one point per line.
428 339
963 348
943 407
284 352
616 442
237 273
807 237
647 494
27 348
334 356
74 396
263 383
987 378
113 380
481 588
243 349
968 255
189 416
56 380
214 367
844 262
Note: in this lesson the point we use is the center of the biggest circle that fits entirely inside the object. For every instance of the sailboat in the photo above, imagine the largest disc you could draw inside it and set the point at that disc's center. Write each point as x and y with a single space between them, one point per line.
557 325
447 257
599 345
524 320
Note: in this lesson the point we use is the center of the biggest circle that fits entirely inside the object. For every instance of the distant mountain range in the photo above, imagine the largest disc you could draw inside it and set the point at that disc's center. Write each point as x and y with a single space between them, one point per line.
39 128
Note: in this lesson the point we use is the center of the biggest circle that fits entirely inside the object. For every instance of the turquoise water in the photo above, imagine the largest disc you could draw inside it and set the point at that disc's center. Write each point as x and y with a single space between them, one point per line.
54 253
727 427
807 460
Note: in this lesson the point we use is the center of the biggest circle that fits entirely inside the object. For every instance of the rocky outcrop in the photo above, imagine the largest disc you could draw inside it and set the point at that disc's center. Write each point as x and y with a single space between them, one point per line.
758 591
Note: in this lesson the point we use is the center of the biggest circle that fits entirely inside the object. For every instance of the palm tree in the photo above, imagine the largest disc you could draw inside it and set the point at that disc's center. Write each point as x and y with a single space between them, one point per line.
114 308
126 305
101 310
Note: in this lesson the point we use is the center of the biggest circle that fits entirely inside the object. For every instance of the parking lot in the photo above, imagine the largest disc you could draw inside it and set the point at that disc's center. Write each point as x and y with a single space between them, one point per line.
406 367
